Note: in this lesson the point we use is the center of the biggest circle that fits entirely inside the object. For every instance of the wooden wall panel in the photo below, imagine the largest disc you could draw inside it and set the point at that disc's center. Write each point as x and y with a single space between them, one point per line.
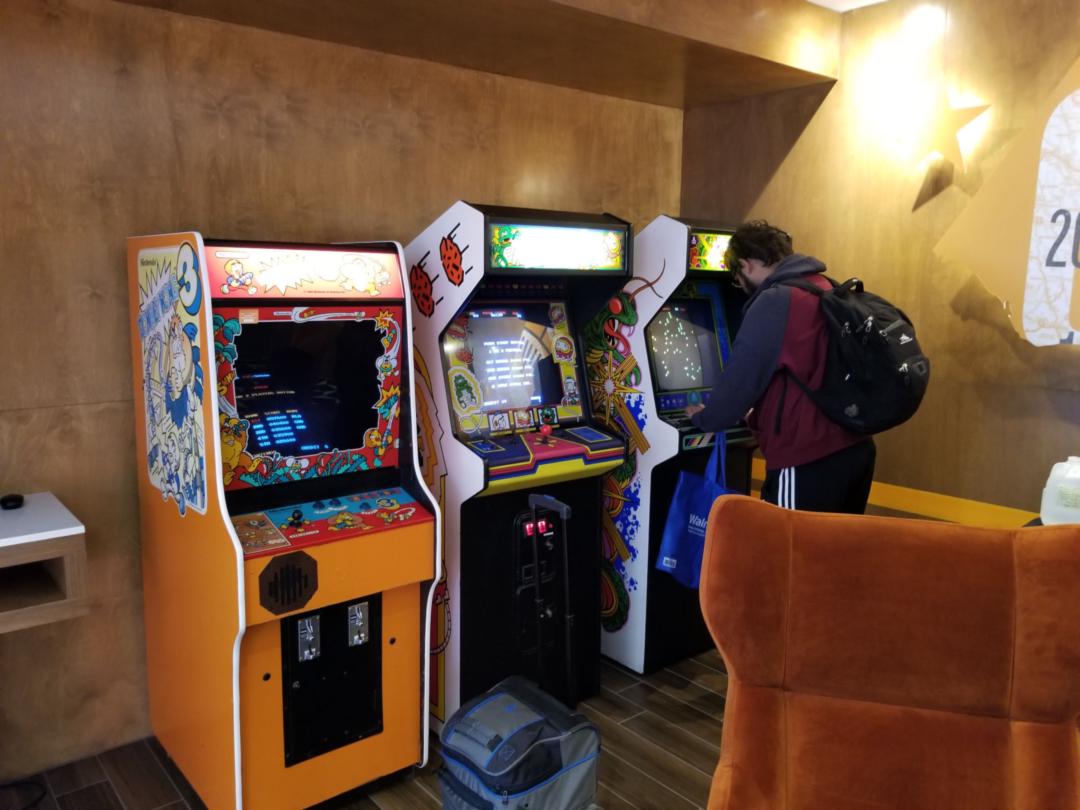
999 412
678 58
119 120
78 686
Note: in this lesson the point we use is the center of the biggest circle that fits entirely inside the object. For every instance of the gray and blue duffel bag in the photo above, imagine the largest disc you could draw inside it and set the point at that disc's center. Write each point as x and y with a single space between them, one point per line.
517 747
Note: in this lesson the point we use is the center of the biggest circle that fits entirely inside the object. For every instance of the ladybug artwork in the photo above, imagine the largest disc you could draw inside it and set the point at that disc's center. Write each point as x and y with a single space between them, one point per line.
422 286
451 257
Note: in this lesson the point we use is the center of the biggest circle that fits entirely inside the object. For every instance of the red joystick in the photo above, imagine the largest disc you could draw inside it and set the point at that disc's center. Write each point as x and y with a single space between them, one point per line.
545 430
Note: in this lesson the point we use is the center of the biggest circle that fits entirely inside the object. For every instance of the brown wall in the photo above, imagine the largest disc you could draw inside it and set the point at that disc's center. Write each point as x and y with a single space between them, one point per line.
846 177
119 120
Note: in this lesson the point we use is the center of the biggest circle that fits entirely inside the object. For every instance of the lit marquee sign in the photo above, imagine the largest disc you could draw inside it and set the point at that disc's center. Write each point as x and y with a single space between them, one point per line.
556 247
707 250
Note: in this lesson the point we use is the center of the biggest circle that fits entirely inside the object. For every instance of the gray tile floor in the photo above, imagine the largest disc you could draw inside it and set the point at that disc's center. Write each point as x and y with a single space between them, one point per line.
136 776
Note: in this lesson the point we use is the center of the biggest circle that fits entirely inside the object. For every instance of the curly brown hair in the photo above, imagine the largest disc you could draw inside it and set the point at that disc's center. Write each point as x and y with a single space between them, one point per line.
759 240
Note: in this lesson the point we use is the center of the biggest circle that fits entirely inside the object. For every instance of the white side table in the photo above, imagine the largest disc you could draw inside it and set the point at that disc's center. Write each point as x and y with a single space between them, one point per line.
42 564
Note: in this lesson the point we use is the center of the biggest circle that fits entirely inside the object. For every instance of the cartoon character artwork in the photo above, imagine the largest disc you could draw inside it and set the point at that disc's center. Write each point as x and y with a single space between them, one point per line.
570 392
451 256
500 422
564 349
170 298
362 274
344 521
237 278
465 398
235 459
523 419
296 520
399 515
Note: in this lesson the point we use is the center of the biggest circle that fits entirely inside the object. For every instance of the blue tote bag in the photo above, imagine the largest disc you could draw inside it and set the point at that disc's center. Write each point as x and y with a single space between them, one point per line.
683 543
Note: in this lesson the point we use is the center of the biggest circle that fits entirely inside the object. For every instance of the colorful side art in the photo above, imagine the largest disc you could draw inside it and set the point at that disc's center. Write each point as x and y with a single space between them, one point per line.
243 272
170 296
547 247
428 440
614 378
243 468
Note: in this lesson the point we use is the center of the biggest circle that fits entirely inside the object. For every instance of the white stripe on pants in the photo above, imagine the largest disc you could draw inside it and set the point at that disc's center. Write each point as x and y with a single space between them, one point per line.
785 495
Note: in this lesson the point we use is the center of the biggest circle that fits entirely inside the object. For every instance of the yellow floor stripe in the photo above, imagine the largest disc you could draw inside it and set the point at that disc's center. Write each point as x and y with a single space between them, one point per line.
935 505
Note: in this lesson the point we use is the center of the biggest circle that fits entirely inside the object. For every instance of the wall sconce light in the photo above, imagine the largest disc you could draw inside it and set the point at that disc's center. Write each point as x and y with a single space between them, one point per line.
844 5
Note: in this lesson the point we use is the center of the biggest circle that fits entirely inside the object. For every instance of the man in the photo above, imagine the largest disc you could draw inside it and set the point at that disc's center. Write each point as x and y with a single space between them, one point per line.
811 462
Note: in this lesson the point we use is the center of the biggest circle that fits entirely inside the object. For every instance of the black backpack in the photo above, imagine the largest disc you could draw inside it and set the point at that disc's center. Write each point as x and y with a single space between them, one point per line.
875 371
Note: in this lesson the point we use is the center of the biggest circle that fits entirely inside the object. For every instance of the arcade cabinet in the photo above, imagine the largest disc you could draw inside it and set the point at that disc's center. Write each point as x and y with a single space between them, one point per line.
669 334
508 442
289 544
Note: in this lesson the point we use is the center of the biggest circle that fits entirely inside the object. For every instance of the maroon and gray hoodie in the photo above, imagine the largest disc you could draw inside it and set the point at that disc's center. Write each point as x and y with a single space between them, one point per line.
782 328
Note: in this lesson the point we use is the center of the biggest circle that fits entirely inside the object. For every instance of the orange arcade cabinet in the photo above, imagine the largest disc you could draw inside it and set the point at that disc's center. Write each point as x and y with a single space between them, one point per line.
289 544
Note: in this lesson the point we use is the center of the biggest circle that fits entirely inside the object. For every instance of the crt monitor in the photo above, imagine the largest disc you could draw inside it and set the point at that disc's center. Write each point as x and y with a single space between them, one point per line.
684 347
299 388
511 366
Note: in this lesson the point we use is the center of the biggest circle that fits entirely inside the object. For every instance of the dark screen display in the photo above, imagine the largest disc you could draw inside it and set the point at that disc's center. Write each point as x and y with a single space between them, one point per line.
512 356
683 346
307 388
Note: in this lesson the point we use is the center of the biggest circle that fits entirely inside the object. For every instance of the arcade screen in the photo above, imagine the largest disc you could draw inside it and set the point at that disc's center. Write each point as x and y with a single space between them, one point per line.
511 366
302 388
707 250
683 346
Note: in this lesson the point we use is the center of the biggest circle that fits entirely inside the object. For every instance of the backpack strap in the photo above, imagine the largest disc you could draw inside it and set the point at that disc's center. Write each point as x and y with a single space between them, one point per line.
801 282
852 284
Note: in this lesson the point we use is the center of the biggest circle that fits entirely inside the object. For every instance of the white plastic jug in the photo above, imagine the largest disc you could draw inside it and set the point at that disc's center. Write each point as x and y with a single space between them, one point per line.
1061 495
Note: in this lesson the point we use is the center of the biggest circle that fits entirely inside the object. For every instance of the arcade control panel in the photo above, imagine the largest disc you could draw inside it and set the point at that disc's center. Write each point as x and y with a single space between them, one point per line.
324 521
519 453
672 409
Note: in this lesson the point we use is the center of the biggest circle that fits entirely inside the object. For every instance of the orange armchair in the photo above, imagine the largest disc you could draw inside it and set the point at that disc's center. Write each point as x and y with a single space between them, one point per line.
887 664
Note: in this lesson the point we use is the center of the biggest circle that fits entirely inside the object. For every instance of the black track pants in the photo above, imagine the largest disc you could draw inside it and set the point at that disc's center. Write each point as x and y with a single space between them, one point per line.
836 483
